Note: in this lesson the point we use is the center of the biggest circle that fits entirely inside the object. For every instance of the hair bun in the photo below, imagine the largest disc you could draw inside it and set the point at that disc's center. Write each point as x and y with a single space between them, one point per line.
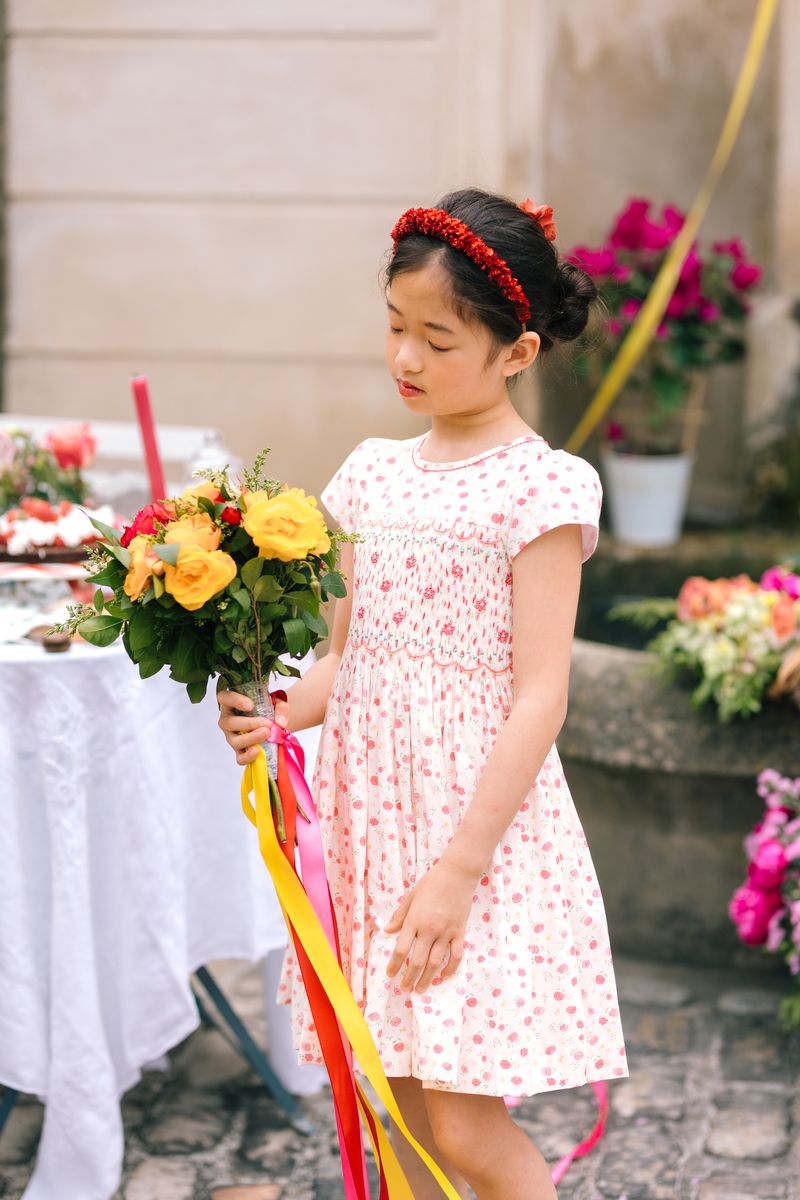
578 291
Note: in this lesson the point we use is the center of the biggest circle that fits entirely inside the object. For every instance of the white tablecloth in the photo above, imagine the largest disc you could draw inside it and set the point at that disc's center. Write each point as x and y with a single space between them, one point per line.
125 863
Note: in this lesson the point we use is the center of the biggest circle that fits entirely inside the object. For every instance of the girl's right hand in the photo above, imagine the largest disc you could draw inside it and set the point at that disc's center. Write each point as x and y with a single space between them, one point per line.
245 734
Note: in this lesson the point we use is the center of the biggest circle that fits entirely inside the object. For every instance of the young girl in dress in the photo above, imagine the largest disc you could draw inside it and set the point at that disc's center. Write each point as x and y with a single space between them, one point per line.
471 923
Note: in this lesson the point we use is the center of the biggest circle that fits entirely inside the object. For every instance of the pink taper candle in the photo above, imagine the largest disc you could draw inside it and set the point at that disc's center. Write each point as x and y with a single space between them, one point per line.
152 458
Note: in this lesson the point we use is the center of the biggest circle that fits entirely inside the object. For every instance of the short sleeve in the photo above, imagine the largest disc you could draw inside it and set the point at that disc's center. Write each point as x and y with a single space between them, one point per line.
342 493
558 489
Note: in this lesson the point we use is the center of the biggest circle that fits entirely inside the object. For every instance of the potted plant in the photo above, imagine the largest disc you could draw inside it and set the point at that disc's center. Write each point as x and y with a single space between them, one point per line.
648 447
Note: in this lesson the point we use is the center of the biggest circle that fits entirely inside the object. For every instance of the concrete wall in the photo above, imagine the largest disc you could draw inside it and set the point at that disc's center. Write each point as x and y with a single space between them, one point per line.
204 191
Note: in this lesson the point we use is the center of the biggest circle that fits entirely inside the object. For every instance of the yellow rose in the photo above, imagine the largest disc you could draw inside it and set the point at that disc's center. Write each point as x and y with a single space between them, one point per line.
195 530
286 526
198 575
144 563
190 495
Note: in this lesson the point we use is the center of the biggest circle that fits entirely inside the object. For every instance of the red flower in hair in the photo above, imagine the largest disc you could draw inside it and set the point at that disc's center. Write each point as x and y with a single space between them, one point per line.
543 216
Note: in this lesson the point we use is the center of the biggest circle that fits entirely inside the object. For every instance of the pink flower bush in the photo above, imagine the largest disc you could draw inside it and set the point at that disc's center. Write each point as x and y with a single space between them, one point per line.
703 320
766 908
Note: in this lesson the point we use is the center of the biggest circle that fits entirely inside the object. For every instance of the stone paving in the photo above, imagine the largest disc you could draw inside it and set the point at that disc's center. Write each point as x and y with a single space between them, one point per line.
711 1110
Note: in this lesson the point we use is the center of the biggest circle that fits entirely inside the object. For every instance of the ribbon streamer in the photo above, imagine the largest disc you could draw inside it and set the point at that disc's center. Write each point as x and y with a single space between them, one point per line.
644 326
307 908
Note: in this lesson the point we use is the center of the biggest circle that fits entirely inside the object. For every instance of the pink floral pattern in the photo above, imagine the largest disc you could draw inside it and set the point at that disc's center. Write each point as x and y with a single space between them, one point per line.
422 691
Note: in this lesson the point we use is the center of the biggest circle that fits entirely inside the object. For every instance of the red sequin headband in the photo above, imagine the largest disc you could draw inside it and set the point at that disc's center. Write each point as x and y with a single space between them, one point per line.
435 222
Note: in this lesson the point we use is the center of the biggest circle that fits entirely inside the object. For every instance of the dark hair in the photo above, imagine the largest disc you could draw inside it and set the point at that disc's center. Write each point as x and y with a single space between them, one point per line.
559 293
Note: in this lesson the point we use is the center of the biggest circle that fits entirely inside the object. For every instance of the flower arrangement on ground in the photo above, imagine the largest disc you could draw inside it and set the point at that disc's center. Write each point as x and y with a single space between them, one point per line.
739 637
766 908
221 580
703 323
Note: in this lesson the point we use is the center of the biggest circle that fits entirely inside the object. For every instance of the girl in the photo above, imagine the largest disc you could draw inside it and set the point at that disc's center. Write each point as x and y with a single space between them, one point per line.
472 927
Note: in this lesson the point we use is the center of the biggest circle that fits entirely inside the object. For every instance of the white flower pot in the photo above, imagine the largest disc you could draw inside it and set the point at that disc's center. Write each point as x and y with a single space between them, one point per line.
647 495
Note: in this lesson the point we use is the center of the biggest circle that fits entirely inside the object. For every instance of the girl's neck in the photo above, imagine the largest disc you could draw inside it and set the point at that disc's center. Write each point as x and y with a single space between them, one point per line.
452 438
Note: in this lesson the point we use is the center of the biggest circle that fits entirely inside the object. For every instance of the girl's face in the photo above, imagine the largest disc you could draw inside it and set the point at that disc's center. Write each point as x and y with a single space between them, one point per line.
440 363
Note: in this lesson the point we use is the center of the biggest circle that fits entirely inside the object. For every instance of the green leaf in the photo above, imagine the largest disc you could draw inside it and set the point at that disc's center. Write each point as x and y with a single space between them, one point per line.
238 655
107 531
334 584
242 598
241 540
282 668
251 571
111 575
197 690
296 636
207 506
142 631
98 600
305 600
168 554
101 631
316 624
267 589
149 666
222 641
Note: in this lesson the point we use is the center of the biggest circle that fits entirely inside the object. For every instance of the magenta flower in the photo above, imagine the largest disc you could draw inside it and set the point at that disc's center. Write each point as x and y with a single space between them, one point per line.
772 580
775 930
734 247
708 311
628 229
768 868
791 585
656 237
630 308
751 910
614 431
745 275
662 331
593 262
614 327
622 273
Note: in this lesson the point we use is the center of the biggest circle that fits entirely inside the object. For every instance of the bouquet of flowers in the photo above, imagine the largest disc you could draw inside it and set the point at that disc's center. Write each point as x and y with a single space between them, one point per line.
740 637
221 580
48 472
766 908
702 325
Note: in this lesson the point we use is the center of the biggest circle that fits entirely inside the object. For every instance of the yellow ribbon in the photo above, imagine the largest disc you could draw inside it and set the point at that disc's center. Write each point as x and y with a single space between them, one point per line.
644 326
297 909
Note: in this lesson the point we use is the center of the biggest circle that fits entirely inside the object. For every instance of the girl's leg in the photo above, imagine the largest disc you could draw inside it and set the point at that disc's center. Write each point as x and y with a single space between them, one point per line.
476 1134
408 1094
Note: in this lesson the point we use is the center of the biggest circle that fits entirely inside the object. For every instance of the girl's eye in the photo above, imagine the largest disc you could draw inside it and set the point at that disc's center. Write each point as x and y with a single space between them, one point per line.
393 329
440 349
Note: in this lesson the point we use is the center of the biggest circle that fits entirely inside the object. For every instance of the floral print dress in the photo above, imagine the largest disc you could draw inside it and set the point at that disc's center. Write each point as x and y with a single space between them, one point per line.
420 696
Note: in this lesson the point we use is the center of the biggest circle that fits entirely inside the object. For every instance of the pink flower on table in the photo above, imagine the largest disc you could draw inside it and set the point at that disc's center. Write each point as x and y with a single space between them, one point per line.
768 868
630 309
72 445
745 275
751 910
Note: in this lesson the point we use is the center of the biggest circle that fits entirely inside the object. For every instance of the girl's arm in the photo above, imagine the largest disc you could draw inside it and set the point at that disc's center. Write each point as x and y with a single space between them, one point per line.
433 915
307 699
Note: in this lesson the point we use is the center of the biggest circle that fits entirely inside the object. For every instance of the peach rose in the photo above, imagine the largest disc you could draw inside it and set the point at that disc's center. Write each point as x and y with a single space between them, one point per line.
783 616
189 496
144 564
286 526
195 530
198 575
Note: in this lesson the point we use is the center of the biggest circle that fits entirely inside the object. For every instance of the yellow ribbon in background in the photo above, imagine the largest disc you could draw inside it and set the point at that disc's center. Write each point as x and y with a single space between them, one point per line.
644 326
297 909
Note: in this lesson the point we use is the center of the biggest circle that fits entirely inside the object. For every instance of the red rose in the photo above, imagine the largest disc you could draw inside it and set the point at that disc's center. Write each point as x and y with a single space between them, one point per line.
145 521
72 445
231 516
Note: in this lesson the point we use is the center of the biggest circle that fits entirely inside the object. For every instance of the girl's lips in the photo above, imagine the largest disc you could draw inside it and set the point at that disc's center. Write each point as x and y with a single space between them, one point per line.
408 389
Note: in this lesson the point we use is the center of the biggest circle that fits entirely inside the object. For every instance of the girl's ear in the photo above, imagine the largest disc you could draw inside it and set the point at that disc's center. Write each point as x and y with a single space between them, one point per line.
521 354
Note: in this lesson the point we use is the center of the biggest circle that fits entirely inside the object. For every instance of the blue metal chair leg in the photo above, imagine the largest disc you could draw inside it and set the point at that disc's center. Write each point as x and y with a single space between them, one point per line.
9 1099
249 1050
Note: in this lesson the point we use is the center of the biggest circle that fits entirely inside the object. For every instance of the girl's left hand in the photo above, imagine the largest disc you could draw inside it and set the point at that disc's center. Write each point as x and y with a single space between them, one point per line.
431 920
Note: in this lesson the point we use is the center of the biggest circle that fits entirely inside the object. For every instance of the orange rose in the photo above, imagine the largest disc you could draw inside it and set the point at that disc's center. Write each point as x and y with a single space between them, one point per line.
694 597
784 616
195 530
144 564
189 496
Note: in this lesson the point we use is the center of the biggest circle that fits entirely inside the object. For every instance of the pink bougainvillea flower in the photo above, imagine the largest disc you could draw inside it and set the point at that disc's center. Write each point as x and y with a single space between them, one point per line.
708 311
614 431
629 226
750 910
614 327
630 308
622 273
656 237
594 262
768 868
745 275
734 247
662 331
775 930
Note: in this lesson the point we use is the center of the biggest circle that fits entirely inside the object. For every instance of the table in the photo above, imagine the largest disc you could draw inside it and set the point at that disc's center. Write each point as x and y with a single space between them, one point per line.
125 863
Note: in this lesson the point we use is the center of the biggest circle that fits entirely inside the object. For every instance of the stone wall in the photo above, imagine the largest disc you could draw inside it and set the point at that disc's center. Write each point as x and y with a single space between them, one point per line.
204 191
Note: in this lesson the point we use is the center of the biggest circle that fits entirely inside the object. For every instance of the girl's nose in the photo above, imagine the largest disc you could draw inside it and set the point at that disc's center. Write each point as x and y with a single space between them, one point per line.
406 361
